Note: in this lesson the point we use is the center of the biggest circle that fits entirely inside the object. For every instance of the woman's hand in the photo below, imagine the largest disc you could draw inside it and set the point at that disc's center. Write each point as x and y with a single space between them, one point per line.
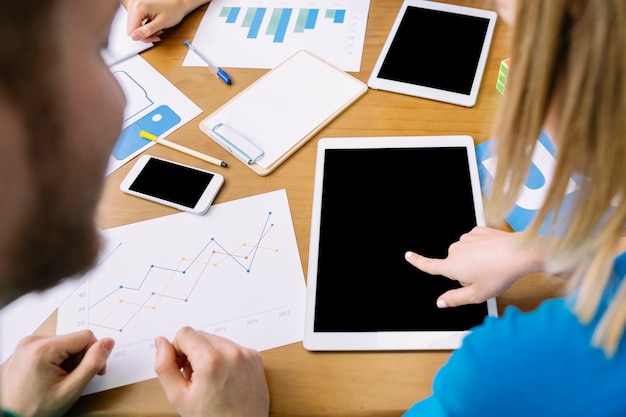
485 261
148 18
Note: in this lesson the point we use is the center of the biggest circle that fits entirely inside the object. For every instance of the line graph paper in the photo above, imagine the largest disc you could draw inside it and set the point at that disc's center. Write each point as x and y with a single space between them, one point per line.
235 272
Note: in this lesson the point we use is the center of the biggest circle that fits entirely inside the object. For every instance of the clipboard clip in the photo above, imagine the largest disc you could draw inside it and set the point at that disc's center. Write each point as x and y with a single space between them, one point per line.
236 143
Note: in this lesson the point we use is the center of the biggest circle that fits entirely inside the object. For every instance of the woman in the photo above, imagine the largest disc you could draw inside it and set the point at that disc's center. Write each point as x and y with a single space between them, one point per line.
568 76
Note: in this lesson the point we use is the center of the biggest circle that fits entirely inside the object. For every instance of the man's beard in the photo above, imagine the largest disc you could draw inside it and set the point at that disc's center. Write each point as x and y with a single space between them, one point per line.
52 246
55 237
54 234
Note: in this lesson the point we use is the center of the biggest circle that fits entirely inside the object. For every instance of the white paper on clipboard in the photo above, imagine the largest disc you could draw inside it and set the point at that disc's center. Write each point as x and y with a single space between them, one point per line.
282 110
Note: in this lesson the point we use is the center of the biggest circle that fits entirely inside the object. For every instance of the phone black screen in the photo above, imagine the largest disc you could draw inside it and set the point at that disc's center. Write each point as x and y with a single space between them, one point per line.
172 182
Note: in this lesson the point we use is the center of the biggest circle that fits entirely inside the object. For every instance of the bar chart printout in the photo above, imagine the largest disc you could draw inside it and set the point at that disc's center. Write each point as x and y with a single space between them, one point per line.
261 34
234 271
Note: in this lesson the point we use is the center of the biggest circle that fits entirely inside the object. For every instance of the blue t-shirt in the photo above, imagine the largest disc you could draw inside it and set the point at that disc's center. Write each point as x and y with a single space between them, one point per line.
532 364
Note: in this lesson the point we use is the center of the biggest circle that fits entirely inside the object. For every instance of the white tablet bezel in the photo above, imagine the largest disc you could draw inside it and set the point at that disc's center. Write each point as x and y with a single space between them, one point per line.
405 340
378 83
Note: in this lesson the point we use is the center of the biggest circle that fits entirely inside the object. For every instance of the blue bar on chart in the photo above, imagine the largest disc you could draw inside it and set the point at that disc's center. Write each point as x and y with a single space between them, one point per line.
230 13
337 15
306 20
252 20
278 24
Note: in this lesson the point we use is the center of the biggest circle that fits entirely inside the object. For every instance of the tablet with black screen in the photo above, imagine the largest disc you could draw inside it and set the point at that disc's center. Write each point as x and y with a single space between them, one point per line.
374 199
436 51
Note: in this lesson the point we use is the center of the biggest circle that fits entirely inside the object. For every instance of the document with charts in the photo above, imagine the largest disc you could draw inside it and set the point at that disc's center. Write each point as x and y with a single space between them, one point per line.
153 104
234 271
263 33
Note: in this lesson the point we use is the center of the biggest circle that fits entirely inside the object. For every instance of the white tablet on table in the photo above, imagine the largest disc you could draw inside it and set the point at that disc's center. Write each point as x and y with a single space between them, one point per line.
436 51
375 198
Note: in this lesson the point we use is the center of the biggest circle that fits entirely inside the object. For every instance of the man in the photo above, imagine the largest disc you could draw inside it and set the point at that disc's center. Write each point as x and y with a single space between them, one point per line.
61 113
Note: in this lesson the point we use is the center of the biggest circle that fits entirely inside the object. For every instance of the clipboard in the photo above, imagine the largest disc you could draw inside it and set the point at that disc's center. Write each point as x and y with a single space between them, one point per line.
272 118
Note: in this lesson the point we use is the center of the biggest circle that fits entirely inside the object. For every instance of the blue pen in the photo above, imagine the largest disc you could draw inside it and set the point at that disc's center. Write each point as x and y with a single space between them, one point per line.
218 71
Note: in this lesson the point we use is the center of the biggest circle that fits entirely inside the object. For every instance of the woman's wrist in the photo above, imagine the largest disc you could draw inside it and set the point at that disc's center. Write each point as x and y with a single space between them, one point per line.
191 5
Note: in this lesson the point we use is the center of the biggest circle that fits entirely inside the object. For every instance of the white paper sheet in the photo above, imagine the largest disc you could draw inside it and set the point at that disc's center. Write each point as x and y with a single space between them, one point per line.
234 271
153 104
263 33
121 46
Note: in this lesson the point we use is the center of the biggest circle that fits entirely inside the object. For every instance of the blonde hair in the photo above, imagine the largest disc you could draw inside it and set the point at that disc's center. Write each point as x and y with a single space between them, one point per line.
572 54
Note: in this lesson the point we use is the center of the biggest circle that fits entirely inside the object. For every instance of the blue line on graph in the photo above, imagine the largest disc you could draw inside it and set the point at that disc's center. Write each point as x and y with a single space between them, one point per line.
233 257
195 259
260 238
107 296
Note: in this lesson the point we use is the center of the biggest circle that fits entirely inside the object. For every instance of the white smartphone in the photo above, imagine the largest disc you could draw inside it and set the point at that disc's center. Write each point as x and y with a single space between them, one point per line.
172 184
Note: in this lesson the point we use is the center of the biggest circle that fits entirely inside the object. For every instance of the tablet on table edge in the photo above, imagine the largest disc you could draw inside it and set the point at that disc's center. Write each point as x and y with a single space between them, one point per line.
375 198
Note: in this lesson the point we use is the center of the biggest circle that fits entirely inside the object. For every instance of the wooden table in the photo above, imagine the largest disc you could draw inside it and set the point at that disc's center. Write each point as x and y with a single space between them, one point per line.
303 383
